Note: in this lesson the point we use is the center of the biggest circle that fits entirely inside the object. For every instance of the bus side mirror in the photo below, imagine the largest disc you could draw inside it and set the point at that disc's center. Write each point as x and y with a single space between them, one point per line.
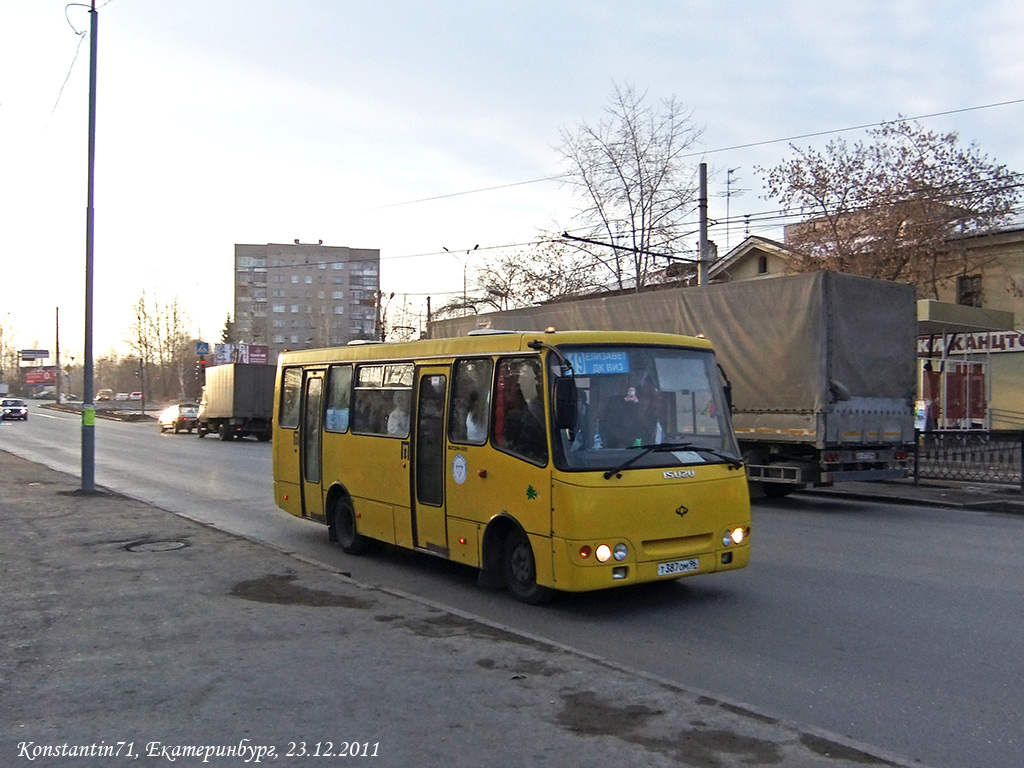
727 386
566 400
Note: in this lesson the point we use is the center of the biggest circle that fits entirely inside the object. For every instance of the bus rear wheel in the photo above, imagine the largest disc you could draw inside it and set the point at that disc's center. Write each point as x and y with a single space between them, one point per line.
343 523
520 570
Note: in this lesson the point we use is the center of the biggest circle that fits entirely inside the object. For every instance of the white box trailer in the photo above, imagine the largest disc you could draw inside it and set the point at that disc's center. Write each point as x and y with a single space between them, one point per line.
238 400
821 365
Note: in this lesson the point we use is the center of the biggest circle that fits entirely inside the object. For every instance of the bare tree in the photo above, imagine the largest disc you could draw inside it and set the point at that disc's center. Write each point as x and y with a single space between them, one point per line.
8 351
160 335
176 346
896 208
630 173
141 333
548 270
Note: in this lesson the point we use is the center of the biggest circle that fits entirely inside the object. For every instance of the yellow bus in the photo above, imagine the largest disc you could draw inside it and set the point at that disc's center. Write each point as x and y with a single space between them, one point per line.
551 461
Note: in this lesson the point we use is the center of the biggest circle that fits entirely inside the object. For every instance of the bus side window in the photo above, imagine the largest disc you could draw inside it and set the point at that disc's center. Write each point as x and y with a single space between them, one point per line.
291 388
382 399
519 409
471 400
339 394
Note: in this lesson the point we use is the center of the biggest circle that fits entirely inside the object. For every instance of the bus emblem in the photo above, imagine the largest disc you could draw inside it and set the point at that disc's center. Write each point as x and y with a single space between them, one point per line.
679 474
460 469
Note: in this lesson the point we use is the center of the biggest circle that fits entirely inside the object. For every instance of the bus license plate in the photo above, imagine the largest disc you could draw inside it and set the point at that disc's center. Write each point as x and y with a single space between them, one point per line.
679 566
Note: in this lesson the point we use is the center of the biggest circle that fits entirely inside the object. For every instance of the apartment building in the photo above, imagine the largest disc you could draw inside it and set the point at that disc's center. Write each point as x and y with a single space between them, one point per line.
305 295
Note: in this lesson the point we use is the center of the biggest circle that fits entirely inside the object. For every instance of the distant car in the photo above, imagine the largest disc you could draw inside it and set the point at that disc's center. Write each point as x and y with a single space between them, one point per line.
121 396
135 396
182 416
12 408
105 394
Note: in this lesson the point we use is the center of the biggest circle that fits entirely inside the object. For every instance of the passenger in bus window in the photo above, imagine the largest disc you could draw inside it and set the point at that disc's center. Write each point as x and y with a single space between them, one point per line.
398 419
524 430
476 418
337 420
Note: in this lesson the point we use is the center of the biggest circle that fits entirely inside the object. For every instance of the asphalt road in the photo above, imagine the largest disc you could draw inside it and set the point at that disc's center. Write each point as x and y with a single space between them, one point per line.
895 625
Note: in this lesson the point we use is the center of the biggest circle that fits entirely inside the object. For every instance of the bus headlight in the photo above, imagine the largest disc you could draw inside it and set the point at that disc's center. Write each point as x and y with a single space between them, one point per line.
620 552
603 553
735 536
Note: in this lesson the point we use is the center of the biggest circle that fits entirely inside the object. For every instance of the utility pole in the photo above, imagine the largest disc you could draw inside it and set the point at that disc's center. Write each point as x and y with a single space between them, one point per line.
57 355
702 257
728 199
88 406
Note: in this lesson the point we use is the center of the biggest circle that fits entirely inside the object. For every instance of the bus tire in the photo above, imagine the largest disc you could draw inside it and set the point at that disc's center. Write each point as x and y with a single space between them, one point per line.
520 570
343 524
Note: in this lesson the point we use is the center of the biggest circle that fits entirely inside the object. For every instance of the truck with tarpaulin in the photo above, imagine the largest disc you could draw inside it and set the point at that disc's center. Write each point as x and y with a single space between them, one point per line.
821 366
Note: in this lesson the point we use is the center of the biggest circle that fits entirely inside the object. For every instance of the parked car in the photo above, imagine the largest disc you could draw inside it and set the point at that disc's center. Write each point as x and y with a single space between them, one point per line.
179 417
13 408
135 396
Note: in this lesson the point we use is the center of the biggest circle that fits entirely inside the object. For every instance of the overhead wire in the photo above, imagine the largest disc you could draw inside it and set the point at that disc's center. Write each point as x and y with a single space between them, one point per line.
734 147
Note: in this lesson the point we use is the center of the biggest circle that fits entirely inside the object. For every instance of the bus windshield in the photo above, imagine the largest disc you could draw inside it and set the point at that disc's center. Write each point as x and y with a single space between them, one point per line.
642 407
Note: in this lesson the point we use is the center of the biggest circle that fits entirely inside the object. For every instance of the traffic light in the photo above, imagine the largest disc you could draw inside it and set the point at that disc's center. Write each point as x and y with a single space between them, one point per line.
201 369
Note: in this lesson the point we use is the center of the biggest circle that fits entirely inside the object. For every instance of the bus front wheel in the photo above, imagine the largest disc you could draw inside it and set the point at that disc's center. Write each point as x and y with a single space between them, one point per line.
520 570
344 524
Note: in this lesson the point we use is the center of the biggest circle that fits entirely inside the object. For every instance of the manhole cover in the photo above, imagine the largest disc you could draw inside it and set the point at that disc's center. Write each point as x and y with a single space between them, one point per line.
156 546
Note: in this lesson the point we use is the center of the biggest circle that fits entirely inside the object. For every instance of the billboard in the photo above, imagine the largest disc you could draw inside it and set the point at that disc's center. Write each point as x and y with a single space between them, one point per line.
38 376
256 354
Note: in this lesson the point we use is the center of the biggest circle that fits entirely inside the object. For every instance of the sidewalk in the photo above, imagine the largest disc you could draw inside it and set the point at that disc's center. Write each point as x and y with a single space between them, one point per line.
127 628
969 496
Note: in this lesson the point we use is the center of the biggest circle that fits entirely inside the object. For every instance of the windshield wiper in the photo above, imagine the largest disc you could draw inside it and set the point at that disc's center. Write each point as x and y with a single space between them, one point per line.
732 461
643 450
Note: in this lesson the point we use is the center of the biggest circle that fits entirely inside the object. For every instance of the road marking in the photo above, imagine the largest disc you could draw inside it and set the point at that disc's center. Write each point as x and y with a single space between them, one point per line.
40 414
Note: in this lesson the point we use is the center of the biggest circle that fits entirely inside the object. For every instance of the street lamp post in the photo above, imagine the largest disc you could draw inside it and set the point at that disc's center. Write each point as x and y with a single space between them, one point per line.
465 263
88 407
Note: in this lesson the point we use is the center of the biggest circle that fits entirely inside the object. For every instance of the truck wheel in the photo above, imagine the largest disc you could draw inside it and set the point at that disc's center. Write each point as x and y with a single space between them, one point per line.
344 524
224 433
521 570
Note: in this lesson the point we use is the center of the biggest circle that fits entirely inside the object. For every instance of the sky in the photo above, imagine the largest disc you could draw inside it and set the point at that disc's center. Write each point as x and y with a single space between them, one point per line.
415 126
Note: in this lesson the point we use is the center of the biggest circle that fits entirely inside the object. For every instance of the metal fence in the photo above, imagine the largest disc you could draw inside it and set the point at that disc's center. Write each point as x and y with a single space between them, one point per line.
980 457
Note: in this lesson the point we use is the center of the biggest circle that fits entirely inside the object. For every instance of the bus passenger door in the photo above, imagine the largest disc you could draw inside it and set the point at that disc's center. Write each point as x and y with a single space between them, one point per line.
430 530
310 437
